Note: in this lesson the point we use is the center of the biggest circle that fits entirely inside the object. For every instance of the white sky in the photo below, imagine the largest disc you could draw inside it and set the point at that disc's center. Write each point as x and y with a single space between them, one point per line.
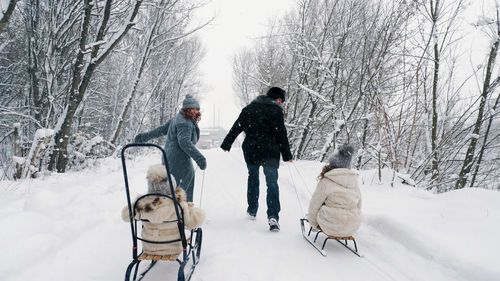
236 23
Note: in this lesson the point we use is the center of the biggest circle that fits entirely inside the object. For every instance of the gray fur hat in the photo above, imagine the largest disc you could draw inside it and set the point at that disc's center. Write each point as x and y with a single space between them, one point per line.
158 180
190 102
342 157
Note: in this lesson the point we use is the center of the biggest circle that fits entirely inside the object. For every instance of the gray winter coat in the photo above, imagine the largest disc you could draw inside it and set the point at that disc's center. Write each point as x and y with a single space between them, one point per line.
182 135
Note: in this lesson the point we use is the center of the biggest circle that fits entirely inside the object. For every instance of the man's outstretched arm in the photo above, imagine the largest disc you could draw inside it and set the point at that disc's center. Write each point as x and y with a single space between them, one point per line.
236 129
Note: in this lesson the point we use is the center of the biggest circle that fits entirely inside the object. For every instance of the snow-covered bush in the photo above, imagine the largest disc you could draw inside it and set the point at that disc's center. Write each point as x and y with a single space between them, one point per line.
84 150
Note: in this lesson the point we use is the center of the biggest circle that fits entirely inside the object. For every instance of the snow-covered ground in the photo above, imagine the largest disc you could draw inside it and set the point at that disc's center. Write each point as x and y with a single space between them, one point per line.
68 227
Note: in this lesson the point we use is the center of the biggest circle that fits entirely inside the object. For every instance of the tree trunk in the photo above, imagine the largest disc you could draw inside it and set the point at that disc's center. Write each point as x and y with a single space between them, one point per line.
414 121
483 147
59 155
17 152
379 146
5 17
469 155
131 96
363 143
434 124
305 132
32 10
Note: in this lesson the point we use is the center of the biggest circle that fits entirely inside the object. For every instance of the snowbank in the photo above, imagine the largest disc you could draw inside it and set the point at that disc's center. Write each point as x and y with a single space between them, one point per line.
69 224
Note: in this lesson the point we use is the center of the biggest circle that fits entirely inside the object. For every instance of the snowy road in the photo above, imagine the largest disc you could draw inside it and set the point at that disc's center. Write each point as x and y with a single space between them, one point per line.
68 226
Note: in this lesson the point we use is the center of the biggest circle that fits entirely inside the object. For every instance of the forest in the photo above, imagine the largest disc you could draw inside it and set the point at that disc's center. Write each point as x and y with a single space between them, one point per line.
80 78
413 84
401 80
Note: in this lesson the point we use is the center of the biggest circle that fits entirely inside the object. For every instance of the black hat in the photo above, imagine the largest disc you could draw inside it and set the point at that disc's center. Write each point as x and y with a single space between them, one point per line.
276 93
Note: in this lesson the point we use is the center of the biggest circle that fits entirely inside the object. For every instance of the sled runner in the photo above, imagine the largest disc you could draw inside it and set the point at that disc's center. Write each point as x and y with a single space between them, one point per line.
191 246
312 238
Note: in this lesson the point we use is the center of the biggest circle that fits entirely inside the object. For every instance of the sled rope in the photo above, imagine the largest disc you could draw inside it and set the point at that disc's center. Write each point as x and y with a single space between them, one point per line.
379 268
202 184
295 189
233 156
303 180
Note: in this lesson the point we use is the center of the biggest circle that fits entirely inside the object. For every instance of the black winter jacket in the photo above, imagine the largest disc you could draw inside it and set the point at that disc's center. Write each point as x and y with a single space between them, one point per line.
262 121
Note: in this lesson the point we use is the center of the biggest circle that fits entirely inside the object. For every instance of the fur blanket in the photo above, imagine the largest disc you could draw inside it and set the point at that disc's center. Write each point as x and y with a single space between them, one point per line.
162 226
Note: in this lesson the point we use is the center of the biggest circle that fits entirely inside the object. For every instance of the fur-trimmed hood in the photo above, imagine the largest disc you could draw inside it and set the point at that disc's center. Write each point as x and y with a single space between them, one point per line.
344 177
156 173
158 179
157 209
266 100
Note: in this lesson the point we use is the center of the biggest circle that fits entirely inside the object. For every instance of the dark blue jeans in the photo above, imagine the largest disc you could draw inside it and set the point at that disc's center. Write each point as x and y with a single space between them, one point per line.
273 196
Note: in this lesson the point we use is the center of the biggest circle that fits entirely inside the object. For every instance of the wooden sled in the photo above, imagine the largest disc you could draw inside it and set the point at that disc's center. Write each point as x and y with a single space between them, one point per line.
147 257
309 237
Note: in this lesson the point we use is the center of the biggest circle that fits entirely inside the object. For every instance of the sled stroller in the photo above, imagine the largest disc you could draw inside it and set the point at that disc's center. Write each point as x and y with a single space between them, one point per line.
191 246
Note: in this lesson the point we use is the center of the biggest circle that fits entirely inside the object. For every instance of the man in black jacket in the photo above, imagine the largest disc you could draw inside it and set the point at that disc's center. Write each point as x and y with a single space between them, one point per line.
265 139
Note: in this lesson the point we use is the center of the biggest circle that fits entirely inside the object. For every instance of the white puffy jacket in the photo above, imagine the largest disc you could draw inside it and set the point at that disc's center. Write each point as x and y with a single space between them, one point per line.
336 203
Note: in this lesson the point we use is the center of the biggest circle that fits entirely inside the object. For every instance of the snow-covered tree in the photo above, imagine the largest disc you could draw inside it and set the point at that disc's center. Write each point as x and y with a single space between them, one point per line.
6 9
389 77
84 69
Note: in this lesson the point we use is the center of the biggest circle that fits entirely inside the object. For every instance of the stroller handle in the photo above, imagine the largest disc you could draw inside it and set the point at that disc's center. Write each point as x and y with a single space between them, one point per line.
180 223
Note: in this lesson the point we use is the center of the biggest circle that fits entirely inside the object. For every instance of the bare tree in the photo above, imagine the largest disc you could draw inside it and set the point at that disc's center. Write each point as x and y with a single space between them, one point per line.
6 13
331 56
90 55
243 83
162 32
486 91
70 65
382 76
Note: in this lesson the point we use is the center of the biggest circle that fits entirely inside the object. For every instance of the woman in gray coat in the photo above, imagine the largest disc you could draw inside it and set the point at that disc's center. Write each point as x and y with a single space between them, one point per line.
182 134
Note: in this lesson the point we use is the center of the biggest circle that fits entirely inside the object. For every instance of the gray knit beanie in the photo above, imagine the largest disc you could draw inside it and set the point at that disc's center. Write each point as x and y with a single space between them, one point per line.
190 102
342 157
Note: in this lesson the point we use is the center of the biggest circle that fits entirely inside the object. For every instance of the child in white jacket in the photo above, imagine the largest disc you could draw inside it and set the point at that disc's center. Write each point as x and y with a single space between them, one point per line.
335 206
159 209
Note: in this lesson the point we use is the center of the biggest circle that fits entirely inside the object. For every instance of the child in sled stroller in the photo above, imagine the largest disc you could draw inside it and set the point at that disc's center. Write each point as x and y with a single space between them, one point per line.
158 214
